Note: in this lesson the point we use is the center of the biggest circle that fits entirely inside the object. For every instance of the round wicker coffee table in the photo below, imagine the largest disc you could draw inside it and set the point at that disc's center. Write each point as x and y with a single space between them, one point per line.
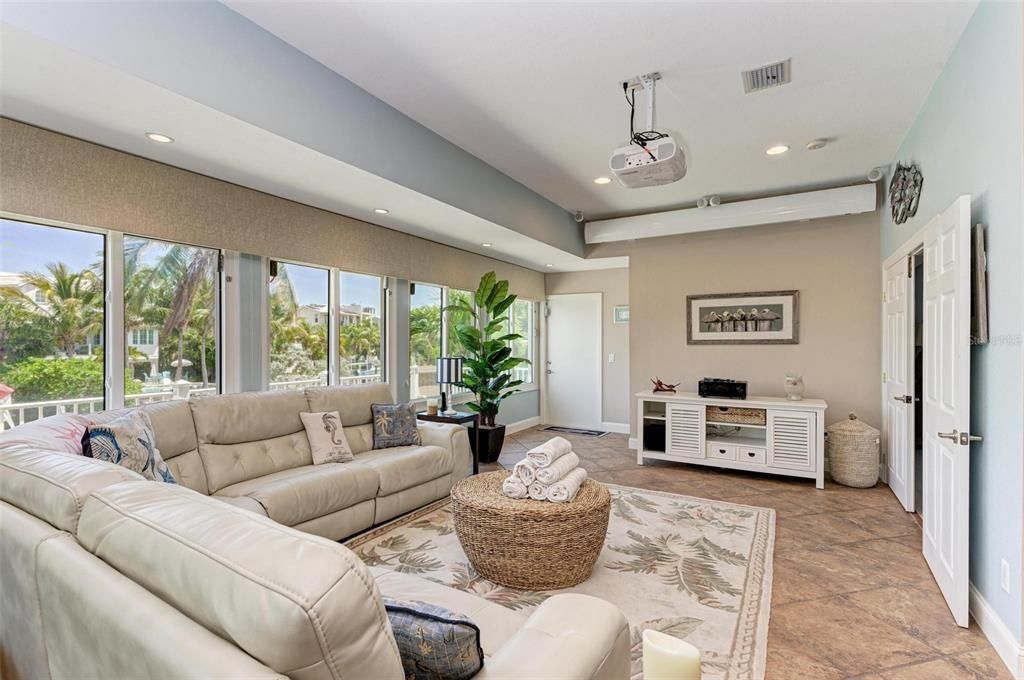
527 544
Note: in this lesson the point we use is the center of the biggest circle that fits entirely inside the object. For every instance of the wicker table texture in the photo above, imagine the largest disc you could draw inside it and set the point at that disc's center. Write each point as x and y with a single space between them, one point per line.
527 544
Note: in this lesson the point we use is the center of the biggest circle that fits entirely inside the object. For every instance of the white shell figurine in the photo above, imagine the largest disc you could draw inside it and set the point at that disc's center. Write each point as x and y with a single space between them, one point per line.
794 387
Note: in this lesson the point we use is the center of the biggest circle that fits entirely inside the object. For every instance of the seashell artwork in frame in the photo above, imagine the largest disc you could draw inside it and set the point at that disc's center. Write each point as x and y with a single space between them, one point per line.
766 318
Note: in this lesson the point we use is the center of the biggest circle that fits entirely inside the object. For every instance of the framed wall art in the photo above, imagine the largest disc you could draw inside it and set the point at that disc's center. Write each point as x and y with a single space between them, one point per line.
768 318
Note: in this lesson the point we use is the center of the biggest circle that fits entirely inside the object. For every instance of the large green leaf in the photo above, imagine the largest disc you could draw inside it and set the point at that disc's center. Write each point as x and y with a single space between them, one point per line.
501 305
487 284
495 295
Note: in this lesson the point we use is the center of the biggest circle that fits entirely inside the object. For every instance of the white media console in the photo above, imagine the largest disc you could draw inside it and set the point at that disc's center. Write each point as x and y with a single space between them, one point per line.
790 442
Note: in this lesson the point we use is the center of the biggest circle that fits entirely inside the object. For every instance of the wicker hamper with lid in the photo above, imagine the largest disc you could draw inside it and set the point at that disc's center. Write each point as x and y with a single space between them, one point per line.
852 447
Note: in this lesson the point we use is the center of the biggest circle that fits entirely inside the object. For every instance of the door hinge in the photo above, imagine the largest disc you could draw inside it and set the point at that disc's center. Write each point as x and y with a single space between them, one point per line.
220 263
910 266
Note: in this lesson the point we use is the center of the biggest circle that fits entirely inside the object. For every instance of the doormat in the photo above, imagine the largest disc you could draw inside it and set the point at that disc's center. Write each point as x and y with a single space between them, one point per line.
575 430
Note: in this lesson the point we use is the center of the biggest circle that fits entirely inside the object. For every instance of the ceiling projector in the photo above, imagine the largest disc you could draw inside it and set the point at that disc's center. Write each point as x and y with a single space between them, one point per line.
654 164
651 158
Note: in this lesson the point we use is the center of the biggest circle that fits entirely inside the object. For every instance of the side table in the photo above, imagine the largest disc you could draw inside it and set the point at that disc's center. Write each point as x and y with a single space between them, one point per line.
460 418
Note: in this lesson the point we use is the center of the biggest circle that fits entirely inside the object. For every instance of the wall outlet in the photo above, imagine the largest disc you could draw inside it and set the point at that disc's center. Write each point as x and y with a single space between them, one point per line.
611 357
1004 575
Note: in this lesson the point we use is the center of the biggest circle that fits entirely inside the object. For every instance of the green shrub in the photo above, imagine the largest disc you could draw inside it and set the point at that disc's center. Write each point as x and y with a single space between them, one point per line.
39 379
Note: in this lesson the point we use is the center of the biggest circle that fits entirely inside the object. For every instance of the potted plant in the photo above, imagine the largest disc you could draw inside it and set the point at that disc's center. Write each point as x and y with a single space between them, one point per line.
488 362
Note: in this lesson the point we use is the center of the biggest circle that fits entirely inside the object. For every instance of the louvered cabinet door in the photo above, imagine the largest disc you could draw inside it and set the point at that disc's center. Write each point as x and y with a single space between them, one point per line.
791 439
685 431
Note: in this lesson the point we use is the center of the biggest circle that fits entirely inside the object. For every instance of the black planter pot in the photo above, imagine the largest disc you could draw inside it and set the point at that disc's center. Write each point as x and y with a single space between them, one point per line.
491 441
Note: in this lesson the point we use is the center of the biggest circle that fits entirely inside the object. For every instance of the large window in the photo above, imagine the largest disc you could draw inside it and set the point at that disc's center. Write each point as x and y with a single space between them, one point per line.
424 339
299 323
453 319
171 303
360 329
51 322
521 321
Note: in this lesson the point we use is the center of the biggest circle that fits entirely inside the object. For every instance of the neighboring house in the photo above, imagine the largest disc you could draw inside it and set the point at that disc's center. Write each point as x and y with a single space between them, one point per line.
314 314
354 313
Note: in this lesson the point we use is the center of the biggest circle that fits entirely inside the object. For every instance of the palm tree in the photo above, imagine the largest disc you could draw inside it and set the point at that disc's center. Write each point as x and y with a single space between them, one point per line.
73 304
179 314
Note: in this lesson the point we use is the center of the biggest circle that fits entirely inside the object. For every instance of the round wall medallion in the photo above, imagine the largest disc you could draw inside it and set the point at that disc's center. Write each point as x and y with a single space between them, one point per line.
905 192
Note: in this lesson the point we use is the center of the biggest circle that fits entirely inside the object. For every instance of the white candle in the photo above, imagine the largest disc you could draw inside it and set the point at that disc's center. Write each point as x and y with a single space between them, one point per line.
669 658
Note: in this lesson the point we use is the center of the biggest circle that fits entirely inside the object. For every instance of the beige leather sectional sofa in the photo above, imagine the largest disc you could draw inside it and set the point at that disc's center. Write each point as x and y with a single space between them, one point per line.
106 575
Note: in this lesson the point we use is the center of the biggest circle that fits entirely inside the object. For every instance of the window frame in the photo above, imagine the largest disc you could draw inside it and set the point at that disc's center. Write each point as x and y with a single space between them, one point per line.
335 321
332 337
532 339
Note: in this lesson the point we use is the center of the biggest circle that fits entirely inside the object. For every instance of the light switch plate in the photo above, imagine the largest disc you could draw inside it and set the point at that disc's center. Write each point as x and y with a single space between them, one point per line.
611 357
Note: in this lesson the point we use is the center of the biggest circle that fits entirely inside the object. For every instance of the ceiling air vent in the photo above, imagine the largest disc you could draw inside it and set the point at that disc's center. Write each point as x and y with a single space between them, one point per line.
764 77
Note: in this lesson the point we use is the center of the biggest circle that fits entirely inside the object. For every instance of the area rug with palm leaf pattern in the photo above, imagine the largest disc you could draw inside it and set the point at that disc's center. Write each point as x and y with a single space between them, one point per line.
694 568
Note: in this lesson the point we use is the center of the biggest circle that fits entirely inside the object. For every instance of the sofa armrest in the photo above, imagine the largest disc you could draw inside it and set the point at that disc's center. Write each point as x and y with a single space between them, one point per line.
455 438
568 637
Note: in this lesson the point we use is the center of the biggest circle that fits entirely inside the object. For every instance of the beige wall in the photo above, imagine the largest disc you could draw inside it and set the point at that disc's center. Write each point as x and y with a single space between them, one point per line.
832 262
613 284
47 175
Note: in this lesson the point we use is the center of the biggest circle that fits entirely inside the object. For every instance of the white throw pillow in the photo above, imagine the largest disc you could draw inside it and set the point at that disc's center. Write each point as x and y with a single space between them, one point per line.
326 437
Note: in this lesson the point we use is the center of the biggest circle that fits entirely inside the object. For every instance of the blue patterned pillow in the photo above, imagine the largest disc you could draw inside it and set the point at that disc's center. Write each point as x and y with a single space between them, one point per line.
434 643
394 425
128 441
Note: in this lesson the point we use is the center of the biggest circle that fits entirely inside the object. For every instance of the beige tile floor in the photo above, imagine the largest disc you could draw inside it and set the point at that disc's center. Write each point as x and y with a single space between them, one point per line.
852 596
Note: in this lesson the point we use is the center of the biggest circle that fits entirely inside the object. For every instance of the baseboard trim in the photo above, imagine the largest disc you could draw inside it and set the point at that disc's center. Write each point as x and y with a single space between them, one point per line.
618 428
1007 647
521 425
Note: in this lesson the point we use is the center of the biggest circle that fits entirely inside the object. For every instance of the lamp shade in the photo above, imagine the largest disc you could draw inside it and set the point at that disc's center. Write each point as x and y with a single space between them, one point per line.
449 370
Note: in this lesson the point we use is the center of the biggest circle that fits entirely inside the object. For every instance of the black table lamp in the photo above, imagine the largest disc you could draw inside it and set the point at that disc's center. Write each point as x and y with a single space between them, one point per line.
449 372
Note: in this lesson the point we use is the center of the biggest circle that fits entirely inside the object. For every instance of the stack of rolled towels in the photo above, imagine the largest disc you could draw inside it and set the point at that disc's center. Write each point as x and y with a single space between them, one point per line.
550 472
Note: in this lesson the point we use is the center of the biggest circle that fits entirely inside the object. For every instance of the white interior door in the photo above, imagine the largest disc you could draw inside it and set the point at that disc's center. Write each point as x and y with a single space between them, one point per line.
947 394
898 395
574 360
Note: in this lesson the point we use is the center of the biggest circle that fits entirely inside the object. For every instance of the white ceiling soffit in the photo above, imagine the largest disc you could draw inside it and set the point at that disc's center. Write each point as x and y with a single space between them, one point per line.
55 88
531 88
791 208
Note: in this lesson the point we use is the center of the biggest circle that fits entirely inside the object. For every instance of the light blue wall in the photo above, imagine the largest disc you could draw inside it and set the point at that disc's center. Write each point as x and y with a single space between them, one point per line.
968 140
519 406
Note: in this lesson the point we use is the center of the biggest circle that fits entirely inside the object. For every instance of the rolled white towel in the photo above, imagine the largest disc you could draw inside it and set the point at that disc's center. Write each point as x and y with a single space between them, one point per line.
549 451
559 469
566 489
525 472
513 487
538 491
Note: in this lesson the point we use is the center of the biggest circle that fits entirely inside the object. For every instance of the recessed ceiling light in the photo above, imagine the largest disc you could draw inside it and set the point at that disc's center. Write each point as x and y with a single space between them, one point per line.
486 245
602 180
549 265
381 211
816 144
776 150
159 138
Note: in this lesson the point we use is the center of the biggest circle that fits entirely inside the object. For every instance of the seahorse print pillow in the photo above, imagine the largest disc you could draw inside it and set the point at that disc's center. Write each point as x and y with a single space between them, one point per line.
326 437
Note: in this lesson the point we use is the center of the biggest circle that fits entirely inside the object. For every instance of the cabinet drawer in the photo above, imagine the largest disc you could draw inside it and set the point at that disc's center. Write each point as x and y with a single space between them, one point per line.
721 451
752 454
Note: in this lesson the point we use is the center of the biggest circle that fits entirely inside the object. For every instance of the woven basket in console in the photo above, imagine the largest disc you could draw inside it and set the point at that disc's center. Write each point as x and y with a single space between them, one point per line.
527 544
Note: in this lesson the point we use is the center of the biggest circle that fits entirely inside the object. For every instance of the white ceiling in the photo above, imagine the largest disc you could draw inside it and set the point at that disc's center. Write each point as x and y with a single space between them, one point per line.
531 88
52 87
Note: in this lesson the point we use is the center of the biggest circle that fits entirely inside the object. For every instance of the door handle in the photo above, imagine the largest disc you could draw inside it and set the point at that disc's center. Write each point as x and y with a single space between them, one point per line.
905 398
962 438
952 436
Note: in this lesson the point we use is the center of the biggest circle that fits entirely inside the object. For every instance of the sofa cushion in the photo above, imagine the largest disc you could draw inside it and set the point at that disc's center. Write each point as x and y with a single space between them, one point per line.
52 486
247 417
327 441
403 467
62 433
243 502
304 606
176 439
249 435
394 425
497 624
352 402
304 493
128 441
435 643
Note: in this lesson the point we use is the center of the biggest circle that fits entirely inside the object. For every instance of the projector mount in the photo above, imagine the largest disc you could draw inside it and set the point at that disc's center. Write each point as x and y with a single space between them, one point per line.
645 82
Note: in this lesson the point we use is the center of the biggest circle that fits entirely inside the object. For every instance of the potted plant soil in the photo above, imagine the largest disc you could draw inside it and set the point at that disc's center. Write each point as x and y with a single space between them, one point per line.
488 362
